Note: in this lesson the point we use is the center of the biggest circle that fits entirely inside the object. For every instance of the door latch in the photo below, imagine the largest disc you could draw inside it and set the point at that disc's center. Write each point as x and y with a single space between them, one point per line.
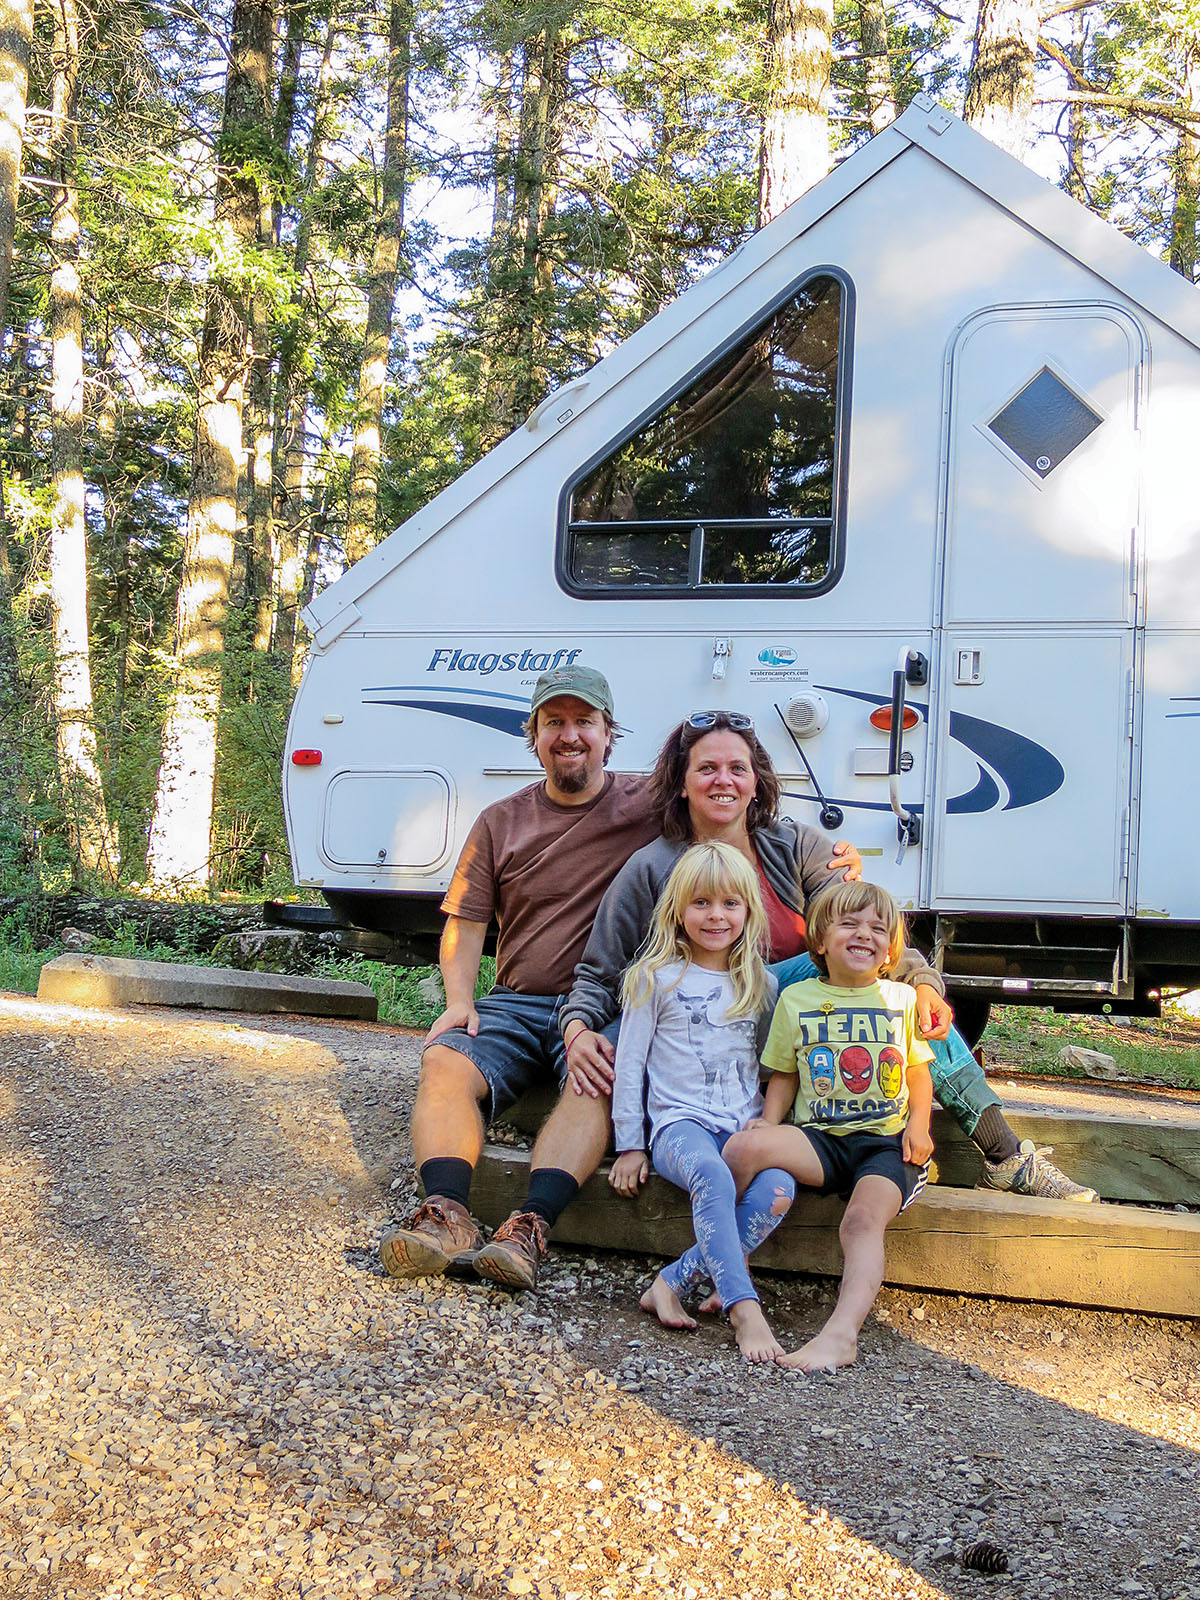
722 650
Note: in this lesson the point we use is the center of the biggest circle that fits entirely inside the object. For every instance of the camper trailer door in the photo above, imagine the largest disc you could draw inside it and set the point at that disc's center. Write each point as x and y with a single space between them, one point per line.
1036 702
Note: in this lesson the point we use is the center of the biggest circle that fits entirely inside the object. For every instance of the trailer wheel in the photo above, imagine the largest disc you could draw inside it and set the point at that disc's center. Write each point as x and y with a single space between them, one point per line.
970 1016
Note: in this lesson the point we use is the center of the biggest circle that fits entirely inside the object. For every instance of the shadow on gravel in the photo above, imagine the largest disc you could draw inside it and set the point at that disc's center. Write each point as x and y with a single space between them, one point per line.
332 1391
924 1454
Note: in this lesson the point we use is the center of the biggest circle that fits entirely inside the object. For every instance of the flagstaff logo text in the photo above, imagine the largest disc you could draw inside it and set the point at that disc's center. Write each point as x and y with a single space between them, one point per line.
486 662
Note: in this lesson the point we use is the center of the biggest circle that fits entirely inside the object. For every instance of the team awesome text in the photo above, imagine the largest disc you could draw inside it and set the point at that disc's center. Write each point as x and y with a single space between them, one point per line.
512 661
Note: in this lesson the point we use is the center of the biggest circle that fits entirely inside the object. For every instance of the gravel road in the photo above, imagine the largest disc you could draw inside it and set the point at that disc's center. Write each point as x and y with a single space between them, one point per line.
207 1387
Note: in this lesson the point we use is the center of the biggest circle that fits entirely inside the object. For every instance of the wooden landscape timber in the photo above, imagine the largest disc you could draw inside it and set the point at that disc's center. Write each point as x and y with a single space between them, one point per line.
964 1241
1141 1147
92 980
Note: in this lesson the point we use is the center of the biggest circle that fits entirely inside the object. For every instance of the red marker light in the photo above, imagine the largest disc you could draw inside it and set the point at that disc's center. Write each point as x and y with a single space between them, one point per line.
881 718
306 758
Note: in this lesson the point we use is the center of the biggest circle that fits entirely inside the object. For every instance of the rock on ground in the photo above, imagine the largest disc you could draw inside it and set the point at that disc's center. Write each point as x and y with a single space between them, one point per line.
208 1389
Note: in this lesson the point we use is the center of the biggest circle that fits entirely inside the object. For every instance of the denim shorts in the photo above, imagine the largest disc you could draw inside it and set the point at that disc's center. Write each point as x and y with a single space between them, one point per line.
847 1157
519 1044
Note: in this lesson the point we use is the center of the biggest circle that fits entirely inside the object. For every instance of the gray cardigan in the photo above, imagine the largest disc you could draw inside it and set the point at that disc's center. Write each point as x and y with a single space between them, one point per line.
793 859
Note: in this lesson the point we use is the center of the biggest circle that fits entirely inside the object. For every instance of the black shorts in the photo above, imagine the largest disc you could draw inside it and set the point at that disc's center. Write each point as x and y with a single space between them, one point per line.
847 1157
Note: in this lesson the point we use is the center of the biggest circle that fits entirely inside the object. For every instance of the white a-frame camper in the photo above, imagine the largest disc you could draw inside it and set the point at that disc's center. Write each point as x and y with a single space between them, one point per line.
912 479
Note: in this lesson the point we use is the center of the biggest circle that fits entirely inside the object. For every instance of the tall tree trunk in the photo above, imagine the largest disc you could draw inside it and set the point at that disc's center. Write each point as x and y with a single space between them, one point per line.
1185 166
117 544
16 37
877 68
1075 180
524 276
501 102
795 139
292 514
180 833
1000 80
385 263
75 735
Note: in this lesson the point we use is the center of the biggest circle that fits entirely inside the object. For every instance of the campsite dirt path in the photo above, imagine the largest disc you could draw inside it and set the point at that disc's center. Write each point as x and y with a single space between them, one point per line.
207 1387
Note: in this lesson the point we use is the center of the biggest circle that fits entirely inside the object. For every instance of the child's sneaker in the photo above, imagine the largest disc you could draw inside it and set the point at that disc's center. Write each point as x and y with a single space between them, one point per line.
1028 1172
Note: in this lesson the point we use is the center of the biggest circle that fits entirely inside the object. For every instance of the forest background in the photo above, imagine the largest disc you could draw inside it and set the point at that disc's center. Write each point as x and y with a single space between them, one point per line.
272 274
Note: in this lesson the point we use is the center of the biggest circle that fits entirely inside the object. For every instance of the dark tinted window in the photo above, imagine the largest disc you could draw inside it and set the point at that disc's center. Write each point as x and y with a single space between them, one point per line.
732 483
1044 423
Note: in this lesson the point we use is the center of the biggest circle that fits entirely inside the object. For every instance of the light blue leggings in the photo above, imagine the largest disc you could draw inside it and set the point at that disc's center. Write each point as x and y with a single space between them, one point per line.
727 1229
958 1079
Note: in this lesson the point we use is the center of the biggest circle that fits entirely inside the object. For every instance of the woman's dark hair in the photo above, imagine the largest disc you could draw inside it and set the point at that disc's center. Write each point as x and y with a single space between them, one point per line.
666 781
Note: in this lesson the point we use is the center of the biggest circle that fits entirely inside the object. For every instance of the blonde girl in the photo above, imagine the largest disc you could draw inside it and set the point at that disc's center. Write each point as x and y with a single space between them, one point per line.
696 1002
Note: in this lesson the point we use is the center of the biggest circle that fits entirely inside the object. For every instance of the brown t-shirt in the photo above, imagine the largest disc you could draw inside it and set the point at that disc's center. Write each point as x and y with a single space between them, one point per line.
541 870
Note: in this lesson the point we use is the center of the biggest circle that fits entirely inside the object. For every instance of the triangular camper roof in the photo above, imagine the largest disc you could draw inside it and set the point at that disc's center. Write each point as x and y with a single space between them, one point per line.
1031 200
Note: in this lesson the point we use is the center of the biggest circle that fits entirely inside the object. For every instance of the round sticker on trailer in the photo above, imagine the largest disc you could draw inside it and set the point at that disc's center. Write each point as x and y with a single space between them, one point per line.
777 663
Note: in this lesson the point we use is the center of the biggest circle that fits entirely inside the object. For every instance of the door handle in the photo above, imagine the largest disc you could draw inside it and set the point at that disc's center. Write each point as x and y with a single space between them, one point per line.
911 667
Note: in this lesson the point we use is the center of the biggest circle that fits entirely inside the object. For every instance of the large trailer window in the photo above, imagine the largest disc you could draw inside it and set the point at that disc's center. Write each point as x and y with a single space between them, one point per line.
733 483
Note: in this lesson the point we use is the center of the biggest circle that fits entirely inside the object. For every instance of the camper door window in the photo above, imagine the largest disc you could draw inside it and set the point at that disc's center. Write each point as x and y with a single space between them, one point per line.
731 484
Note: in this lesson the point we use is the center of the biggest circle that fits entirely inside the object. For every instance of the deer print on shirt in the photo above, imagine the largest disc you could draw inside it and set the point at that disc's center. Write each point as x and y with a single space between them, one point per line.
725 1050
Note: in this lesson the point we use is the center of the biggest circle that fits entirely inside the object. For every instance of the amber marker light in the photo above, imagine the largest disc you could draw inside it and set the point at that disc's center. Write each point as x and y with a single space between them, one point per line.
306 758
881 718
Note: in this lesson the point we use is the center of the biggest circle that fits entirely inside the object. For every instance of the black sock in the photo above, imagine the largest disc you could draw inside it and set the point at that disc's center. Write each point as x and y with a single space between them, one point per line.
550 1193
994 1136
448 1176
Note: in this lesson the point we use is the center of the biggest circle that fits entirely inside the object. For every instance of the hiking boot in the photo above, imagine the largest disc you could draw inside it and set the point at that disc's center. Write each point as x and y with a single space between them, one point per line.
441 1235
1028 1172
517 1248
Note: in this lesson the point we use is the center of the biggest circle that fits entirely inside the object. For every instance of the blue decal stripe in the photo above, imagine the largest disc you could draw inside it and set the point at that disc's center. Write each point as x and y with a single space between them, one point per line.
982 797
1028 770
850 805
498 717
873 699
438 688
1171 714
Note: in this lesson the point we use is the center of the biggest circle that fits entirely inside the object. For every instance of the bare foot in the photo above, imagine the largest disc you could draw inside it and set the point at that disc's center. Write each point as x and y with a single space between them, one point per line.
828 1350
710 1306
662 1300
754 1338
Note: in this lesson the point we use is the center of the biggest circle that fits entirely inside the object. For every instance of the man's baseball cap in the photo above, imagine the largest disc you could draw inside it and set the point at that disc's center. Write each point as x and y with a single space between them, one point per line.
585 683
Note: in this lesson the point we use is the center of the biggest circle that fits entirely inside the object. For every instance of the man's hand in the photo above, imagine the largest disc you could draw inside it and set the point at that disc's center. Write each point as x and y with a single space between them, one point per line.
847 861
934 1012
629 1172
590 1058
918 1146
456 1016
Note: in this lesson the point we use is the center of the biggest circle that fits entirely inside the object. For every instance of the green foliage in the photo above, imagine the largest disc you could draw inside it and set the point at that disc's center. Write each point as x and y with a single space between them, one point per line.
1146 1049
399 989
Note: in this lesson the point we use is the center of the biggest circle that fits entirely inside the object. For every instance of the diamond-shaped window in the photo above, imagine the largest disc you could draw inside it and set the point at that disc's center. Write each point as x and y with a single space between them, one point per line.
1044 423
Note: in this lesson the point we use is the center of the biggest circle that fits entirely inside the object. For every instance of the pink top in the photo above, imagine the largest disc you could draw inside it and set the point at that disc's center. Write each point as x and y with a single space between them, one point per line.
786 926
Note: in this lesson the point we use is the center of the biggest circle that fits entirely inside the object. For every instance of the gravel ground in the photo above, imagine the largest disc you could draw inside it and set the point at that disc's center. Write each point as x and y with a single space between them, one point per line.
207 1387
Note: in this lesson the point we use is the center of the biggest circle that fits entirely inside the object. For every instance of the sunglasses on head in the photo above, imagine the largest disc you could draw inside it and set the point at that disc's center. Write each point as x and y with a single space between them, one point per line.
737 720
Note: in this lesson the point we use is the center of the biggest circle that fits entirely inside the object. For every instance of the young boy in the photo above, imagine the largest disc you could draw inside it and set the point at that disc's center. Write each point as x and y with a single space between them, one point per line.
850 1072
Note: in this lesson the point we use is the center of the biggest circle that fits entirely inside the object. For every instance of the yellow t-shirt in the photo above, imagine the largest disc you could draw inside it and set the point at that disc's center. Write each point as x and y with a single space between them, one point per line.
849 1050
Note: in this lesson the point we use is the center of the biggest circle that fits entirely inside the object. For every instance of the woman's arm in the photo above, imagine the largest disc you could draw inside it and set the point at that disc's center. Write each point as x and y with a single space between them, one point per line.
820 861
621 924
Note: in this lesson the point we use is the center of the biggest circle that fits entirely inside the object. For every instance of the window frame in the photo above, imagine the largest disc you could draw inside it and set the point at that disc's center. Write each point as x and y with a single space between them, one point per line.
841 462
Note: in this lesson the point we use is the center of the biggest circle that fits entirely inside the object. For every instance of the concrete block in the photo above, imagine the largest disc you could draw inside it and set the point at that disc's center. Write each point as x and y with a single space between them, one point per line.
91 980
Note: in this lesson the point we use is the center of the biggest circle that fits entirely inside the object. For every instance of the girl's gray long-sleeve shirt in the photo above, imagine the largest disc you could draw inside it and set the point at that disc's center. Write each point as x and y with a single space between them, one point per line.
680 1057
